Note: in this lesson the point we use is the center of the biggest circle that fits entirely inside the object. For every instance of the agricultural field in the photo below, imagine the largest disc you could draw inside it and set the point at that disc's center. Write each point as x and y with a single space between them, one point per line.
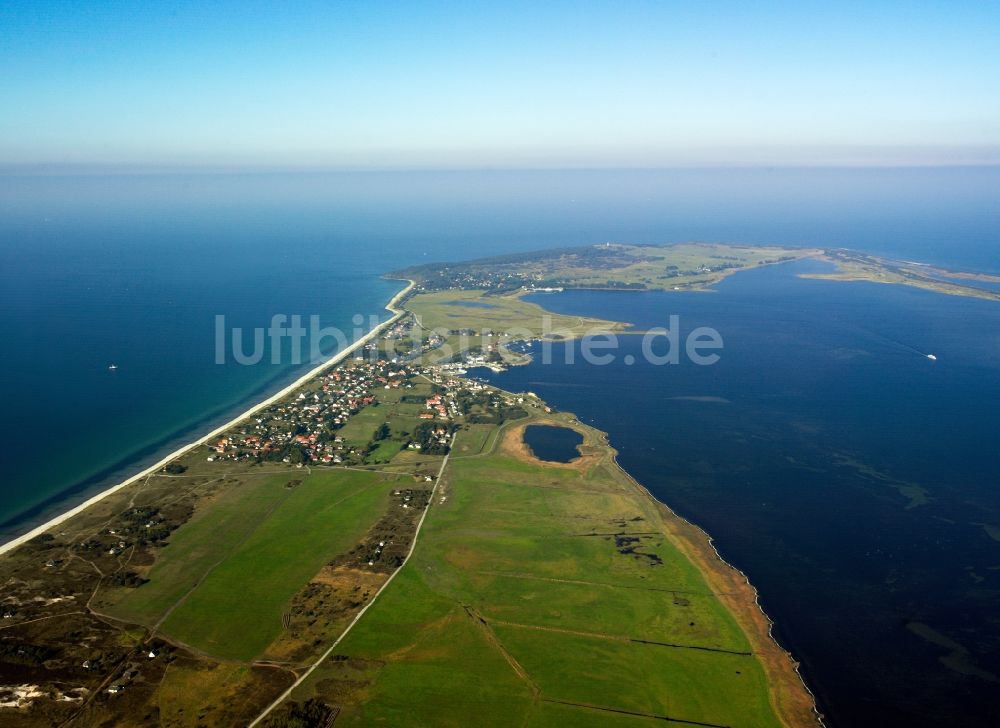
544 593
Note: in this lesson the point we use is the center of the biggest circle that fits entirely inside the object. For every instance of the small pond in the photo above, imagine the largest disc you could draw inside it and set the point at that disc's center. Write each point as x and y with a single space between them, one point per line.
555 444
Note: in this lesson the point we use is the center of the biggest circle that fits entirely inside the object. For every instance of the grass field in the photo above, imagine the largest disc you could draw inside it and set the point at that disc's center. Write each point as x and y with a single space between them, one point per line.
359 429
207 539
225 693
684 266
520 606
230 574
401 417
665 267
450 310
474 439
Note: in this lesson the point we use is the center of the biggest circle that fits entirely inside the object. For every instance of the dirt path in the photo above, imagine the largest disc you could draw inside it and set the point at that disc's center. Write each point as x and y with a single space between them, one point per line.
513 575
495 642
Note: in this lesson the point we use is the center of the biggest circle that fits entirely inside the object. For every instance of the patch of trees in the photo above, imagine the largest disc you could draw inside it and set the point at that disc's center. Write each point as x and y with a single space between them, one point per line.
485 408
622 284
21 653
128 579
175 468
430 444
497 416
145 525
43 541
511 413
141 514
311 714
467 400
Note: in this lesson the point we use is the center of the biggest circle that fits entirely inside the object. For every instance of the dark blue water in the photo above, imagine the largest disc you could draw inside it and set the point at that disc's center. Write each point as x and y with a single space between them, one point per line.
555 444
845 472
800 451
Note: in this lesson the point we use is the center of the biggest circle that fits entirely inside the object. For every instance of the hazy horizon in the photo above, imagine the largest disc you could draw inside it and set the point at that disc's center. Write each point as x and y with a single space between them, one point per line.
394 86
41 169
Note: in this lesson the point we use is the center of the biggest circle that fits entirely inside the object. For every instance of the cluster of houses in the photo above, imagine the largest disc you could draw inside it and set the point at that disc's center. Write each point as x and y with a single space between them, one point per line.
461 391
408 341
491 279
437 406
129 675
303 428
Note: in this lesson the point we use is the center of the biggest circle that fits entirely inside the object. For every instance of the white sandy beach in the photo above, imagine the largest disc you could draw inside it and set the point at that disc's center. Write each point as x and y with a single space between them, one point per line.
391 306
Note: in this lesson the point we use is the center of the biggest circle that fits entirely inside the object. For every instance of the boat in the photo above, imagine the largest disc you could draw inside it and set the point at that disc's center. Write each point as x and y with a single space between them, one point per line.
932 357
112 367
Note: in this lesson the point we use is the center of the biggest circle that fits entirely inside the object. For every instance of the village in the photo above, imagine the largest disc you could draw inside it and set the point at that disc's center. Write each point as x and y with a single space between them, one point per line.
320 423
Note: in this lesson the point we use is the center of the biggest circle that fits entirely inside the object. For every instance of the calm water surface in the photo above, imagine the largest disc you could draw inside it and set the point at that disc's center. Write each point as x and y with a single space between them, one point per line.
555 444
852 478
856 481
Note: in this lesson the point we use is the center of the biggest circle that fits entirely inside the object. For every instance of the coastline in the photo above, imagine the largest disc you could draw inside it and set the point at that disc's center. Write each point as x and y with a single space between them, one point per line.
392 306
790 697
735 590
793 701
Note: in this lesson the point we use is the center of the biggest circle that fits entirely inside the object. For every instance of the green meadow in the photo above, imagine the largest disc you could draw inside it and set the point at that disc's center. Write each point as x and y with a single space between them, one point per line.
447 311
520 606
227 575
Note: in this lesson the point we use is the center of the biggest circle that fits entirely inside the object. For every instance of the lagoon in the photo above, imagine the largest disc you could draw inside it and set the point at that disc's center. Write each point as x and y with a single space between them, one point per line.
554 444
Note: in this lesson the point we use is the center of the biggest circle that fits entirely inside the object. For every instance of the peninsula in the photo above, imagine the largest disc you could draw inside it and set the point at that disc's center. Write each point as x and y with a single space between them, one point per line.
379 543
681 267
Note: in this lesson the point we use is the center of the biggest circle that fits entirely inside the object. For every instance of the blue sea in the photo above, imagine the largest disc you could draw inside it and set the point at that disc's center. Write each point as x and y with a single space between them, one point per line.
855 481
852 478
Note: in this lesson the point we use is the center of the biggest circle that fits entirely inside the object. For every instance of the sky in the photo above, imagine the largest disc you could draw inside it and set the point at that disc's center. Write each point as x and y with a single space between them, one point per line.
468 84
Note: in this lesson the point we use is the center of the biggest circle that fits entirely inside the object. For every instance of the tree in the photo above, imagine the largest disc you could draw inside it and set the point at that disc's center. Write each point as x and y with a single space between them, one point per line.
311 714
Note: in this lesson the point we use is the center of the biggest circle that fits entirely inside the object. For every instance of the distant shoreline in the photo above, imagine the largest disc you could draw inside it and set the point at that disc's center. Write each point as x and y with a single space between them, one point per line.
391 306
